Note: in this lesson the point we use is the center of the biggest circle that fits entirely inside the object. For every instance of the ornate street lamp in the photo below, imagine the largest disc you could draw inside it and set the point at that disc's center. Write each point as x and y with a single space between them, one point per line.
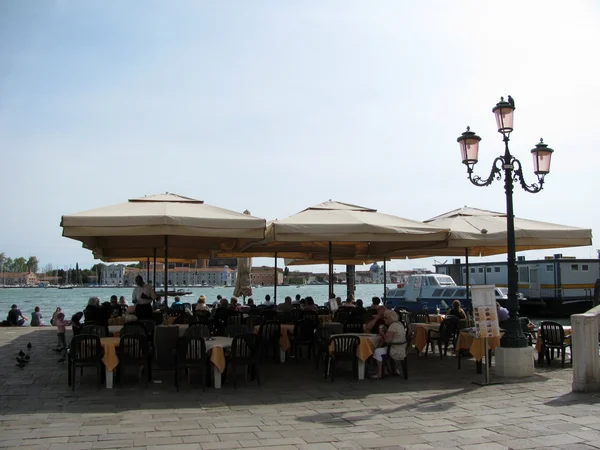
542 154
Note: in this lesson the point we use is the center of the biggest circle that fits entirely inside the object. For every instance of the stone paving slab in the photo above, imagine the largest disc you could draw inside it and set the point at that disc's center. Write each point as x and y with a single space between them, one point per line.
438 407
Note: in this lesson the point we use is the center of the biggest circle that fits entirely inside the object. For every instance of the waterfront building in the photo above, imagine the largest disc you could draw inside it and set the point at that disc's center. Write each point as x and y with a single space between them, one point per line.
265 276
18 279
113 275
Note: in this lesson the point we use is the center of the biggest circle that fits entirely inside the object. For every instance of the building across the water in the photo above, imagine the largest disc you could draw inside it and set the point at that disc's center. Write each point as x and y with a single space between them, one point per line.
18 279
560 282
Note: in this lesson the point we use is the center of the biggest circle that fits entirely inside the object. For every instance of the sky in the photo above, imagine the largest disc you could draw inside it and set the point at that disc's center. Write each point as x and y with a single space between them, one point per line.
274 106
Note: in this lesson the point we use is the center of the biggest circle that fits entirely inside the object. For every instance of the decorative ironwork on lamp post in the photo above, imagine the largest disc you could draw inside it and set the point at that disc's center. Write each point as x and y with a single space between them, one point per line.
513 172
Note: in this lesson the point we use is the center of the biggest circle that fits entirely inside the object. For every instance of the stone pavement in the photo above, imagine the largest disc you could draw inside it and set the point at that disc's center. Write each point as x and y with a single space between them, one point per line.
438 407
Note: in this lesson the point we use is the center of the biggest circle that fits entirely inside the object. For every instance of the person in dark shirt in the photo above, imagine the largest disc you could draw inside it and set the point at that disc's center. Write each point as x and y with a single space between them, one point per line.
359 311
15 317
457 311
76 324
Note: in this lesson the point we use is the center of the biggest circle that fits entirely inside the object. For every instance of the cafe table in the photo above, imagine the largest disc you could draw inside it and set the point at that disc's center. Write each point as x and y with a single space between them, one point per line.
366 348
110 358
436 318
421 331
539 343
468 340
114 330
284 339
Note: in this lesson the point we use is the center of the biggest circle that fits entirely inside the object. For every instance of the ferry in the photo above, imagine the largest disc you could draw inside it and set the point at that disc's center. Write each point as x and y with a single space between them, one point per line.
554 286
431 293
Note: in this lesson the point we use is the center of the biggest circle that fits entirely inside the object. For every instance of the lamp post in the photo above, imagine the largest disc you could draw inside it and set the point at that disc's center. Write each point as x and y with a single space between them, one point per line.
513 172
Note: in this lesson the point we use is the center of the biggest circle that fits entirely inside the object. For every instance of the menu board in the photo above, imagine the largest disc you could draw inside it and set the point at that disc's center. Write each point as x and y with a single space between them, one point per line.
484 311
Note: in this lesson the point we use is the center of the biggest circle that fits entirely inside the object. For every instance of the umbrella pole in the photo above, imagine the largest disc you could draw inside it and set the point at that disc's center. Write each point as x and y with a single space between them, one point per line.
467 278
275 281
154 271
330 269
148 269
166 280
384 282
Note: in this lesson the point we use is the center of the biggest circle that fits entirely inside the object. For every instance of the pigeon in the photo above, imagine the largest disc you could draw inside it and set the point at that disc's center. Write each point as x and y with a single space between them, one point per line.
511 101
21 361
27 357
29 345
20 365
21 353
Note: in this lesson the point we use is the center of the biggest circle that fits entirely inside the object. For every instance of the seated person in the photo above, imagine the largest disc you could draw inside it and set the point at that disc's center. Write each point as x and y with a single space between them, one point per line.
36 318
201 305
157 303
222 311
177 304
310 305
250 302
268 302
349 303
457 311
122 301
286 306
15 318
92 312
359 310
502 314
375 303
115 309
76 324
296 301
395 333
373 325
234 305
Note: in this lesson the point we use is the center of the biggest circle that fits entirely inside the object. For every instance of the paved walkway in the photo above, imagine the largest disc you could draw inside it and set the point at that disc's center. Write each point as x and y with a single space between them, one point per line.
438 407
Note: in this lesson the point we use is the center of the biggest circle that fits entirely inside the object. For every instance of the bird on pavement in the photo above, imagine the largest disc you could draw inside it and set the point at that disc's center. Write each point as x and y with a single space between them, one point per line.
27 357
21 353
20 365
21 361
29 345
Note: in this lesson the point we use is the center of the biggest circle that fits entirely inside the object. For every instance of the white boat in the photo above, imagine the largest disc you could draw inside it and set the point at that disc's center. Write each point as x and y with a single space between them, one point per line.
431 291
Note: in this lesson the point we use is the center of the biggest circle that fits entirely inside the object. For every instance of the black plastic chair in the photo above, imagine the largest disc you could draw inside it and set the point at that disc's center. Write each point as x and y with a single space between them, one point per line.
323 311
96 330
553 338
150 326
191 354
295 315
443 337
234 318
304 337
269 335
133 328
342 348
252 321
236 330
134 351
312 316
269 315
390 363
354 327
202 315
198 329
419 318
342 315
321 343
85 350
244 352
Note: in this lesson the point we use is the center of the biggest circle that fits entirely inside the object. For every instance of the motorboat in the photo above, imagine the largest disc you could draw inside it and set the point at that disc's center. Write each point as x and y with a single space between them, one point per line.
431 292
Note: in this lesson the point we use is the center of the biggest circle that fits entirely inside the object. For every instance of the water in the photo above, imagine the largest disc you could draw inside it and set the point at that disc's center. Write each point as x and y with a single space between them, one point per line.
73 300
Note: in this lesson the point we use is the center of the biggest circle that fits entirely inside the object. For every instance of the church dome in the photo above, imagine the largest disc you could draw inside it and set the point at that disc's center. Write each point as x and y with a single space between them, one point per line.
374 267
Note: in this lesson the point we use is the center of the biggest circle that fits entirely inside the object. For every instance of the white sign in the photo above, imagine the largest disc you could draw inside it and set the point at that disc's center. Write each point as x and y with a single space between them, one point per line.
484 311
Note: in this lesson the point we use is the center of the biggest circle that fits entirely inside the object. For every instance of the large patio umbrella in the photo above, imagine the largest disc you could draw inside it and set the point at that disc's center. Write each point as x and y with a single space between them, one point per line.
343 231
161 226
243 280
479 232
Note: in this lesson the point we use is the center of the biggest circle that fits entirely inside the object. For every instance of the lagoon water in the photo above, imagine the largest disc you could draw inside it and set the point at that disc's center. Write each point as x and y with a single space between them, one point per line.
73 300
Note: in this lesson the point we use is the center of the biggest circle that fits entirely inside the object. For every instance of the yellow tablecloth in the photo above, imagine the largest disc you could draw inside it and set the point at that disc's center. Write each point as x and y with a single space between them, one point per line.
467 341
420 330
217 358
365 348
325 318
171 320
110 358
116 321
284 340
436 318
539 343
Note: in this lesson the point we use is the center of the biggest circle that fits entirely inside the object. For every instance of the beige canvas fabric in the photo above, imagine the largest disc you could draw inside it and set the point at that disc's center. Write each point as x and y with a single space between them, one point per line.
243 279
133 229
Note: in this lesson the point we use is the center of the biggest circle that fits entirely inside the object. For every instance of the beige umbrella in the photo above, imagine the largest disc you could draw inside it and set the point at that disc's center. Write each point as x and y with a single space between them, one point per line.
243 280
161 226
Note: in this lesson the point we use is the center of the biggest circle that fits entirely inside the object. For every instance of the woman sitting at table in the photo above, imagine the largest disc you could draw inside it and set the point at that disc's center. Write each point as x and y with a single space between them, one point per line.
372 326
394 334
457 311
201 305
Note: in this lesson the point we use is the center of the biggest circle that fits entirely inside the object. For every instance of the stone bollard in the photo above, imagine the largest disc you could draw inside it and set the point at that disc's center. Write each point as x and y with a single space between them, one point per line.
585 351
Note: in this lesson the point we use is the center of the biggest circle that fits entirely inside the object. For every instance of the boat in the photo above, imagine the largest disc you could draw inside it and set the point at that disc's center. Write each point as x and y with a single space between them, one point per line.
66 286
178 292
431 292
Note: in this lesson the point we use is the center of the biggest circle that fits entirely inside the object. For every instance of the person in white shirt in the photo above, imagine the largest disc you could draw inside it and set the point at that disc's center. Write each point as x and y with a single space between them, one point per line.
268 301
143 296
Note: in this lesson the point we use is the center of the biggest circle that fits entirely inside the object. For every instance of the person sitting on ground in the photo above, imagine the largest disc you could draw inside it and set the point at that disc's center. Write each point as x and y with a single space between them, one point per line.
310 305
502 314
395 333
76 324
92 312
177 303
201 305
15 318
286 306
375 303
268 303
457 311
36 318
373 325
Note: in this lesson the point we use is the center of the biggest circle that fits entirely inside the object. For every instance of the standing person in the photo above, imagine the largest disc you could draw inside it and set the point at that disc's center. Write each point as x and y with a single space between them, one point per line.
142 297
61 329
36 318
54 314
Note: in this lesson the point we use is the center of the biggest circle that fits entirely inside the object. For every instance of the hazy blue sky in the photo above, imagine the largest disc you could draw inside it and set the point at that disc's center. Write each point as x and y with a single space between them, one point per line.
277 105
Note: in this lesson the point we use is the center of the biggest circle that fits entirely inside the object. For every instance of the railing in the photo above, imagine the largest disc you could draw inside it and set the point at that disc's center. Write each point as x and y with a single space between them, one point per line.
585 350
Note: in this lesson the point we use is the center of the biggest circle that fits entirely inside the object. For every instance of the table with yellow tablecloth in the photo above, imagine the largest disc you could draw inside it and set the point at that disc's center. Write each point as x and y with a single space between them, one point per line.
284 339
539 343
475 345
366 348
421 330
436 318
325 318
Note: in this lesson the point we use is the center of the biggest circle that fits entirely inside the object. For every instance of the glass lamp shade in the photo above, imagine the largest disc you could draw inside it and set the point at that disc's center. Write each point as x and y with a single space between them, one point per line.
542 155
469 147
504 116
